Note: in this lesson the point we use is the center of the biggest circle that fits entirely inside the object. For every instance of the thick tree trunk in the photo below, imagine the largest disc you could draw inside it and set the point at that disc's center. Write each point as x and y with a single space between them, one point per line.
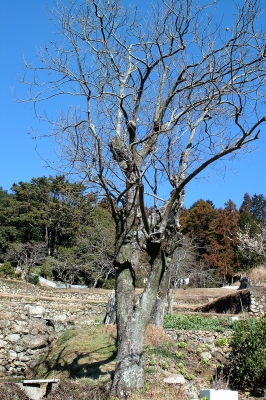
133 314
129 372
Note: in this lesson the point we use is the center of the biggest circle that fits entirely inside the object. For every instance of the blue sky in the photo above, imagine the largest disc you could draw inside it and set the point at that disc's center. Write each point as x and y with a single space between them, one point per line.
24 27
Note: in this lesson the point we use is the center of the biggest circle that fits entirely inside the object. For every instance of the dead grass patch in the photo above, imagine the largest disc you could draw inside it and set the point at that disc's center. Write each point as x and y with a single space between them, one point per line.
11 391
258 274
155 336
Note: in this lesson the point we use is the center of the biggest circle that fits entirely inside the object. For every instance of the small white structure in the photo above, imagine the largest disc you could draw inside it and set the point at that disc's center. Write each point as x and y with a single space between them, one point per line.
221 394
230 287
183 281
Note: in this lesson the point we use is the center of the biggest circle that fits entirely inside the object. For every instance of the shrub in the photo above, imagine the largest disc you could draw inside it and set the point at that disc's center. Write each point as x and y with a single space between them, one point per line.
222 342
6 270
164 365
178 354
248 355
34 279
182 345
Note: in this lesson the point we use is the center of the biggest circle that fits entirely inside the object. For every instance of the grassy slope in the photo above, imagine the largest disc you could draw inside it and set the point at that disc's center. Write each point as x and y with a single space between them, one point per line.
88 355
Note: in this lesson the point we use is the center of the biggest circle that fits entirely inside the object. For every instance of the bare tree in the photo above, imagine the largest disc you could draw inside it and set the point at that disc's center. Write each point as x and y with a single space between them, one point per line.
97 244
253 242
66 269
157 98
27 255
181 268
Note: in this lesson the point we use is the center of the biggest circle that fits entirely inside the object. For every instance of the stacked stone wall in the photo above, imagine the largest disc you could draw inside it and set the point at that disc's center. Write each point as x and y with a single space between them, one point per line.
26 289
32 317
257 301
22 343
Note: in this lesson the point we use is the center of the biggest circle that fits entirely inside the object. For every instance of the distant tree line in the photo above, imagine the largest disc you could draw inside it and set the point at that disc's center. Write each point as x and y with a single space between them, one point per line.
53 227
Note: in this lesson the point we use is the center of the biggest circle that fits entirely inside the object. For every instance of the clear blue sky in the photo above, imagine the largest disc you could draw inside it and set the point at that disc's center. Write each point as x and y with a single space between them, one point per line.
24 27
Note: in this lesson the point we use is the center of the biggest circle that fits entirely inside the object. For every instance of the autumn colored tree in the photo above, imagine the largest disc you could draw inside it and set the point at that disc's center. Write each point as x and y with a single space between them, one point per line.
222 251
198 223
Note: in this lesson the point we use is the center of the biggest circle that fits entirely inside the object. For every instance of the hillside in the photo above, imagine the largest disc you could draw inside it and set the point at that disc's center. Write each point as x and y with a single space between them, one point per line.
83 352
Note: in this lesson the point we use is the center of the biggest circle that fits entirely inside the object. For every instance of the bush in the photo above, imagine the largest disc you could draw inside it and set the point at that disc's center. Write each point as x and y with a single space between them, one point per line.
6 270
248 355
34 279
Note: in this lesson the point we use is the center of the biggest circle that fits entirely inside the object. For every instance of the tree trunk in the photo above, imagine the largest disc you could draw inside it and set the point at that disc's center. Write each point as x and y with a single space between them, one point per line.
133 314
157 315
170 299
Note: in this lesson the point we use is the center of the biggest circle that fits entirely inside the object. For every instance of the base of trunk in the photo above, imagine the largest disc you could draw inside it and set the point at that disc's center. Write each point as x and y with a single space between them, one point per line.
129 376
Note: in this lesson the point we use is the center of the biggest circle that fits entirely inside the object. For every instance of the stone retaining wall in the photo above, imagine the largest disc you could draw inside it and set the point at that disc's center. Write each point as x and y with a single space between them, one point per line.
206 342
69 311
251 300
22 343
26 289
257 301
31 317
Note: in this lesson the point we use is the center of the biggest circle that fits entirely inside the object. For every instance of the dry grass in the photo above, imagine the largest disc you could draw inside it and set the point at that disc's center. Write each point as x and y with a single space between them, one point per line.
258 275
159 392
71 390
155 336
11 391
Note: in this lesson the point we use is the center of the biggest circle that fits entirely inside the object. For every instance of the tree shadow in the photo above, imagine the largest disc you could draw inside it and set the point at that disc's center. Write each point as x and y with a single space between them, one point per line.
79 367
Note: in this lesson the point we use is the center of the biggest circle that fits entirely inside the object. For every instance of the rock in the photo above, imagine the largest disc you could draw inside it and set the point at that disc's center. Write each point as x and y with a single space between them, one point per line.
220 357
12 338
36 311
19 364
60 318
191 391
175 379
4 323
23 357
34 393
206 355
3 344
20 327
12 355
35 342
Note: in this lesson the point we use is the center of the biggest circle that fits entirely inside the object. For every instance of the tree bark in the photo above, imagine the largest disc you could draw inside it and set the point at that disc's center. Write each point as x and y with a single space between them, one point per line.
157 315
133 314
